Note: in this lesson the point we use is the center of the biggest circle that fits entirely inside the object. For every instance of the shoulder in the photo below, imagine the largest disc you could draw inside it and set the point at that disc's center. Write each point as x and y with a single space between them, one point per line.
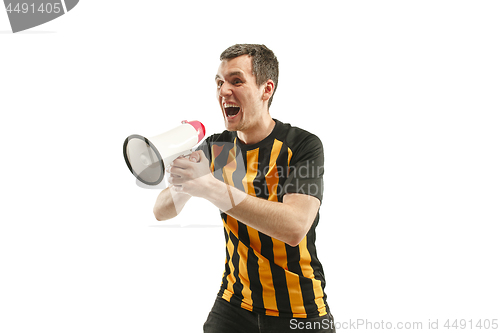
298 139
218 139
223 137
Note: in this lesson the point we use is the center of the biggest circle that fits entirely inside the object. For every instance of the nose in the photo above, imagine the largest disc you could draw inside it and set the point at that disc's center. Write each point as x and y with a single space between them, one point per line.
224 90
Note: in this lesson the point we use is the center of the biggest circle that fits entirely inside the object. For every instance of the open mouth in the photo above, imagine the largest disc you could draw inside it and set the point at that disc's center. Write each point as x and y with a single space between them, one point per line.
231 110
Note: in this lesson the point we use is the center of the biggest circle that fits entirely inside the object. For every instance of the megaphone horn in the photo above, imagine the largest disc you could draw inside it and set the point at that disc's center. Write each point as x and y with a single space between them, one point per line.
147 158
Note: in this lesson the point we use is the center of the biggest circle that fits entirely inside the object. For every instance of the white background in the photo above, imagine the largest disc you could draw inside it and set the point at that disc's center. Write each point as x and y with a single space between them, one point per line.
403 94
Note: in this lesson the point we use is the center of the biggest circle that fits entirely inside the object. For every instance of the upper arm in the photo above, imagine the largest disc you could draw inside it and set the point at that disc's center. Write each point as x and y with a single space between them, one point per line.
304 184
306 167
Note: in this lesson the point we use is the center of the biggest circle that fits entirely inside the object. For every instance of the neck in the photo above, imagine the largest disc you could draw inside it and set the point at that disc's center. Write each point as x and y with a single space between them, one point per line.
259 132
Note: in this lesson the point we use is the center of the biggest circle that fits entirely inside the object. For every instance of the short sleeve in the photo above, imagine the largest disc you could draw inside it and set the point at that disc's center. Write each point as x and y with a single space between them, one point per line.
205 148
306 168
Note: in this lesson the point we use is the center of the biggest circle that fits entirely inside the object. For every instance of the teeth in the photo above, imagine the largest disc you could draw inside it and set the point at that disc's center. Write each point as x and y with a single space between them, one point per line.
230 105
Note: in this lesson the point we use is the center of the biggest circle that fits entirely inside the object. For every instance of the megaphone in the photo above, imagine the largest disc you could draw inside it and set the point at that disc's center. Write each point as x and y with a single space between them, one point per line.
147 158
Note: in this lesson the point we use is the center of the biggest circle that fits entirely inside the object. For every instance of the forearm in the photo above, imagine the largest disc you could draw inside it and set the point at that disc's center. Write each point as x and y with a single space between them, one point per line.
278 220
288 221
169 204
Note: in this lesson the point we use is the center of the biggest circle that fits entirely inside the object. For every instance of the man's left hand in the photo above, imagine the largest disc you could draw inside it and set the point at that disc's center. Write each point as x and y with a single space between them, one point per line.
191 175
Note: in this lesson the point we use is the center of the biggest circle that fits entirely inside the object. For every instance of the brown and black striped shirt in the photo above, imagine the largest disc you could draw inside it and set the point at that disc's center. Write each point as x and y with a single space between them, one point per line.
263 274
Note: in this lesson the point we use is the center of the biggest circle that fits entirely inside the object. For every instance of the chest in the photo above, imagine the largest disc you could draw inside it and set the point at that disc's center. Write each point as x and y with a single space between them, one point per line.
259 172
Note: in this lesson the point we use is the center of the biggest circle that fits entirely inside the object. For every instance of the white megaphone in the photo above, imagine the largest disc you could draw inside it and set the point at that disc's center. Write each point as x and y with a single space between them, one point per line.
147 158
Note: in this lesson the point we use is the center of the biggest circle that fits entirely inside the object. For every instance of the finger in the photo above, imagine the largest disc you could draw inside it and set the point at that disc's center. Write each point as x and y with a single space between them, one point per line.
181 162
198 155
176 171
178 188
183 173
177 162
175 180
195 157
182 157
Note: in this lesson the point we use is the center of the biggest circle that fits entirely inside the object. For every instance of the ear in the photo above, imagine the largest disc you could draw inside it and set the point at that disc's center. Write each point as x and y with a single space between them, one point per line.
268 90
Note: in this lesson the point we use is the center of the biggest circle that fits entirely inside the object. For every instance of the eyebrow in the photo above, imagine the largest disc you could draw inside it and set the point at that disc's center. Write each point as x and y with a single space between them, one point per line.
235 73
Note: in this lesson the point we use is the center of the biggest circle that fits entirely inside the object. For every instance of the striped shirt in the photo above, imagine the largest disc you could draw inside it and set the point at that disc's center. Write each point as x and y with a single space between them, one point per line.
263 274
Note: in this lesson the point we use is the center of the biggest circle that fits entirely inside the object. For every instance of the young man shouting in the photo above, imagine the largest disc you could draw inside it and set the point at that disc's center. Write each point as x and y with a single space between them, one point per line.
266 177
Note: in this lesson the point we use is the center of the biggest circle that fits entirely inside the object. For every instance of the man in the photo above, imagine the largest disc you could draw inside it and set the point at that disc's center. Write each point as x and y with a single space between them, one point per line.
266 178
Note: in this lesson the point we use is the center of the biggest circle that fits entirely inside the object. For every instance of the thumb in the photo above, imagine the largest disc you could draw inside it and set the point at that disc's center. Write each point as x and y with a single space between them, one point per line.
195 157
